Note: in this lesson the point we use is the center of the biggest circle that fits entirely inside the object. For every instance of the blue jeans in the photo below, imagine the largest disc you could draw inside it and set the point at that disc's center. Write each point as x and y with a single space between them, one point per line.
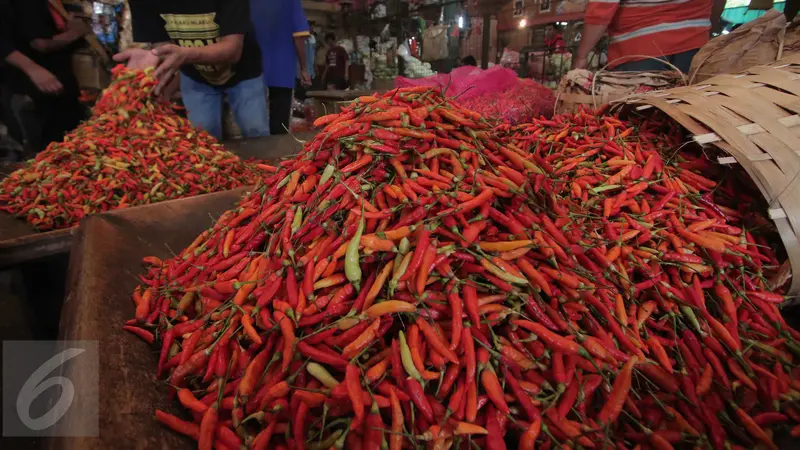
247 100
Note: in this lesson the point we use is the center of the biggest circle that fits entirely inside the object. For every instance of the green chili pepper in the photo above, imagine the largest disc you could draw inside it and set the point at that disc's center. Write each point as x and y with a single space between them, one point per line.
285 181
692 318
298 219
352 267
327 174
328 442
600 189
405 246
405 357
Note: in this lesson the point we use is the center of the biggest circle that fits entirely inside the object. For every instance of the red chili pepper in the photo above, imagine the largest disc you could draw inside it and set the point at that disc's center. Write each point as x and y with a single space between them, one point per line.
352 381
415 391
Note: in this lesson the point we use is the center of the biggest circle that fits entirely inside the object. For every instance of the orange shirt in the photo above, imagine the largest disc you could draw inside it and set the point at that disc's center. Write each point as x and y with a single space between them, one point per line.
651 27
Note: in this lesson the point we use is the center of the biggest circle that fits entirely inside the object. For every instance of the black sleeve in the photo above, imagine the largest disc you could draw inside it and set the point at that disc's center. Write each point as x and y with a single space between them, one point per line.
233 17
34 21
5 48
148 26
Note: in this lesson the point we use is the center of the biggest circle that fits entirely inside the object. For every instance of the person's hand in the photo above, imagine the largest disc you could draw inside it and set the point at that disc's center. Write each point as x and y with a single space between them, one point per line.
44 80
579 63
305 79
172 57
78 27
137 58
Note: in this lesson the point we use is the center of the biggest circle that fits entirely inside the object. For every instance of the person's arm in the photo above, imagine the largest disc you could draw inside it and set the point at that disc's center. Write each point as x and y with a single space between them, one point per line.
300 32
76 29
300 49
171 57
716 15
148 33
41 77
592 33
227 51
38 30
595 23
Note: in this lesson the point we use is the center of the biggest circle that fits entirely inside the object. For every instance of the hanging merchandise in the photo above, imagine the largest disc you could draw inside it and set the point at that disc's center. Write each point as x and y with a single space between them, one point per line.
413 47
105 23
414 67
434 43
420 24
418 69
384 60
378 10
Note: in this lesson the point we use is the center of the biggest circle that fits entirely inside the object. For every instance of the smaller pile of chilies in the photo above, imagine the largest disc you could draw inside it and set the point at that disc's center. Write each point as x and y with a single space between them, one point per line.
134 150
522 103
415 279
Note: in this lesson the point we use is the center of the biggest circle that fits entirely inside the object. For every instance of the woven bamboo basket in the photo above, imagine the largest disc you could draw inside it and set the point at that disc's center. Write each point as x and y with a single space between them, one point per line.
754 117
581 88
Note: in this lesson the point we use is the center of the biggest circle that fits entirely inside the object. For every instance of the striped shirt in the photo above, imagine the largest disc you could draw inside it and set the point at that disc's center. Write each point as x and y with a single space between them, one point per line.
651 27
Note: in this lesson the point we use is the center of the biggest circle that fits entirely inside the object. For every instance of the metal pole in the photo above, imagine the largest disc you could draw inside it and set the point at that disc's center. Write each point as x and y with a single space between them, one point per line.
487 35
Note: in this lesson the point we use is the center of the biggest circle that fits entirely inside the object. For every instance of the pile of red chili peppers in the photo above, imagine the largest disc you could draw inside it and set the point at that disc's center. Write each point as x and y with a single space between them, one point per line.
416 279
134 150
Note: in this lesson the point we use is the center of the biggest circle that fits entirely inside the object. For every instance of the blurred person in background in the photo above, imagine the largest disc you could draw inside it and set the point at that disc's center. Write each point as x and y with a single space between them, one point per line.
639 30
469 60
42 90
282 32
46 82
554 39
210 47
335 73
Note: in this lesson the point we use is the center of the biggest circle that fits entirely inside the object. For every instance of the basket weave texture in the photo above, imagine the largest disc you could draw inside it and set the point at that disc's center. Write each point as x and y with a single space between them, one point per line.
583 88
754 116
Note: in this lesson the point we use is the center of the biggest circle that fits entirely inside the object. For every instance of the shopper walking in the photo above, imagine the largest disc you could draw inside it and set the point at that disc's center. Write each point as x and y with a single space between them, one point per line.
335 64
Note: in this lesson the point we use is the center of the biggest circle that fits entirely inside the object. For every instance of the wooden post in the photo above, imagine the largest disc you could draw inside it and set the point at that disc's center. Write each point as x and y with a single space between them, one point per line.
487 36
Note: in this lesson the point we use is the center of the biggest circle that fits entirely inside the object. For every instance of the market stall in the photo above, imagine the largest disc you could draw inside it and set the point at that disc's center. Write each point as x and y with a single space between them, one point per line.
586 275
445 264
